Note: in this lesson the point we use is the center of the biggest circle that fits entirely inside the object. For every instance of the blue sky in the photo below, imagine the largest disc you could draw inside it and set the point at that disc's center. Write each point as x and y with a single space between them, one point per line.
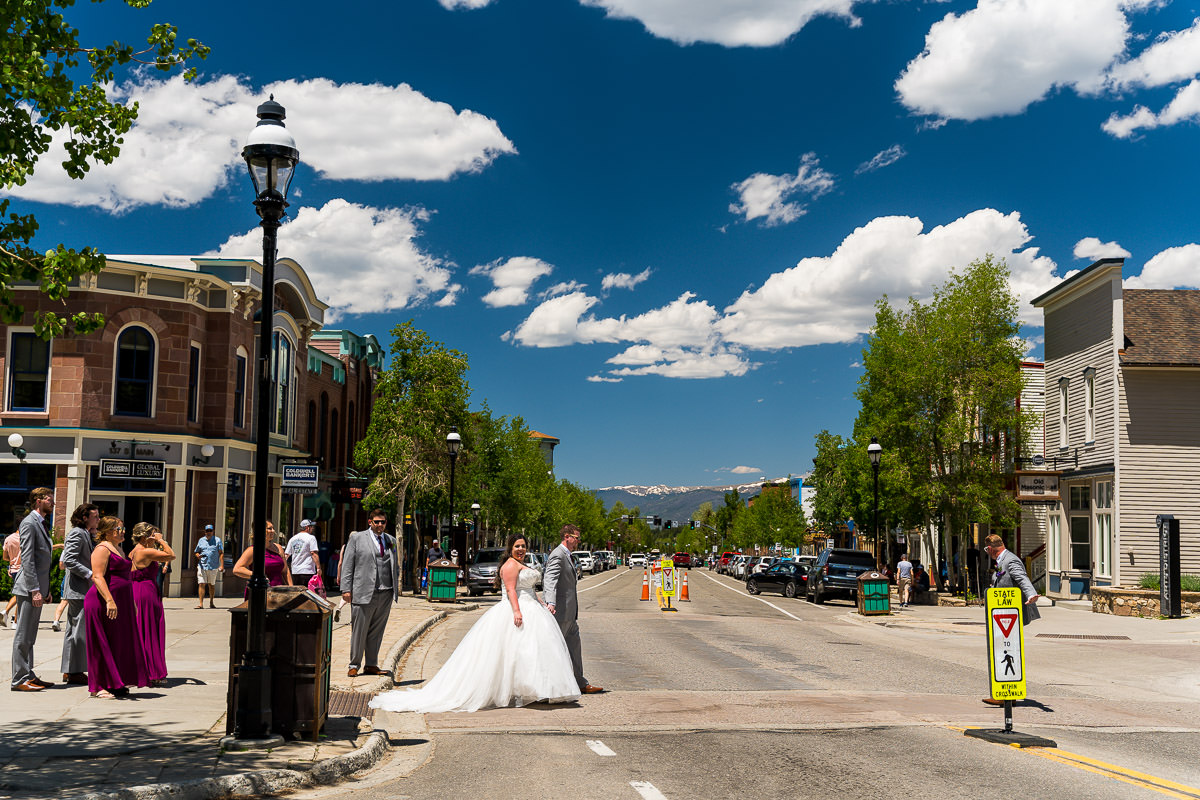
658 227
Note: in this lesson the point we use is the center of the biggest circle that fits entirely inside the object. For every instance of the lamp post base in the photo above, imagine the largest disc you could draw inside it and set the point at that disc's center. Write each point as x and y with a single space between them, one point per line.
234 744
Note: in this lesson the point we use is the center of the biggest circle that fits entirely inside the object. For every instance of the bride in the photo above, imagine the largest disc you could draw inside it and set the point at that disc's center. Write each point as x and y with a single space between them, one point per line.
514 654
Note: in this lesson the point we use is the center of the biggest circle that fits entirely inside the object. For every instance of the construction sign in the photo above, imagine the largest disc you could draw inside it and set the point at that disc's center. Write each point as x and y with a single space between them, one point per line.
667 578
1006 647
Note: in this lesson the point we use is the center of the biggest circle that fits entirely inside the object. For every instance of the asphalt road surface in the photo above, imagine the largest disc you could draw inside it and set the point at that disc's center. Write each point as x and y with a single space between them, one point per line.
737 696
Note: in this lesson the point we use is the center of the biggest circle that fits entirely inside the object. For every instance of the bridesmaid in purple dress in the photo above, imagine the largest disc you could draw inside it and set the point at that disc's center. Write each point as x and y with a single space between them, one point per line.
149 553
114 648
274 562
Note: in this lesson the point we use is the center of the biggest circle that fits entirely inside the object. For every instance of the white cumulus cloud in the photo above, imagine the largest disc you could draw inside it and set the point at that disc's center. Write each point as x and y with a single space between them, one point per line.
1003 55
454 5
512 279
1173 268
360 259
1173 57
1092 249
754 23
832 298
766 196
188 137
742 470
623 280
1185 106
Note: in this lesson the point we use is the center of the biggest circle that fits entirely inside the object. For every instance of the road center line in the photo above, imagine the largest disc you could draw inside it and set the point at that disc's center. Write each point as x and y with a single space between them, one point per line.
598 585
1141 779
752 597
599 748
647 790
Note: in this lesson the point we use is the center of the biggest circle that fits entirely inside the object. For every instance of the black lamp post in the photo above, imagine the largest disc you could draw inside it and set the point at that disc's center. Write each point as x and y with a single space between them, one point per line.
453 445
875 451
271 155
475 527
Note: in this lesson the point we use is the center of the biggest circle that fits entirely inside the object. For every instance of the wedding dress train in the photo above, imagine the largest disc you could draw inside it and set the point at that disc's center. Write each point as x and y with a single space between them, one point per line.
498 664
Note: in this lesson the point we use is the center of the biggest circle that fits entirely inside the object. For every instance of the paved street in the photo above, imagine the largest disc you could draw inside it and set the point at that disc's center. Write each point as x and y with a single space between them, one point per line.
738 695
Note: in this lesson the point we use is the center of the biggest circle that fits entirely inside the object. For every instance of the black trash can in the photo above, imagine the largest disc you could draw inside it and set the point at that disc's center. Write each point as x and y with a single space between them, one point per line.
299 636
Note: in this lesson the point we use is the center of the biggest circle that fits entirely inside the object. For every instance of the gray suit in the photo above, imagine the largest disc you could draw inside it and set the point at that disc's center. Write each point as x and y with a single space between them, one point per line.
36 551
1010 572
76 559
373 580
558 590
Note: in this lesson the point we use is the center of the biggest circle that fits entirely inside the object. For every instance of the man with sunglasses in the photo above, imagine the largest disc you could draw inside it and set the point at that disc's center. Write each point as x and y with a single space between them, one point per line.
370 581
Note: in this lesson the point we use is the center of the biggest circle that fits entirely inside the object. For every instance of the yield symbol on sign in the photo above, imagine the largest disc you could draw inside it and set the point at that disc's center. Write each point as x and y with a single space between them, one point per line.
1005 620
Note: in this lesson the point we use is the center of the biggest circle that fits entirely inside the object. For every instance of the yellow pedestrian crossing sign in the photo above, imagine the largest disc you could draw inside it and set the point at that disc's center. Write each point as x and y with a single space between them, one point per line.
1006 646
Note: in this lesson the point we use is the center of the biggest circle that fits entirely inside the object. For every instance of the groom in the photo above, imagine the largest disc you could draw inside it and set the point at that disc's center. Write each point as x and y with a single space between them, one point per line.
558 585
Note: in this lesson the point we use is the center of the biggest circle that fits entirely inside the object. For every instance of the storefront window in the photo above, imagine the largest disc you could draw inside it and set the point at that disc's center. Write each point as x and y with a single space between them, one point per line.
1104 530
135 373
28 372
1054 545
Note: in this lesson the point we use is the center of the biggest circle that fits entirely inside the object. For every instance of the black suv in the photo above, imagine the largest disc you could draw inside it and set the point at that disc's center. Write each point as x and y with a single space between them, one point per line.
836 574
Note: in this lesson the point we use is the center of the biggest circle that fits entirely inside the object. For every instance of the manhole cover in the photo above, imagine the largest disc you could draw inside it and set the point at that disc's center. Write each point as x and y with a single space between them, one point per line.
350 704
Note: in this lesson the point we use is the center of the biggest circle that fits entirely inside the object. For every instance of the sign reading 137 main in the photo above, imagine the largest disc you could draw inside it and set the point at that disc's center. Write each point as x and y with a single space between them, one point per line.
1006 647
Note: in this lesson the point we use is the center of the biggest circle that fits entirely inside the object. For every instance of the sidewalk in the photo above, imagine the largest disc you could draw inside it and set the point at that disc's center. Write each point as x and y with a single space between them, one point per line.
166 742
1063 620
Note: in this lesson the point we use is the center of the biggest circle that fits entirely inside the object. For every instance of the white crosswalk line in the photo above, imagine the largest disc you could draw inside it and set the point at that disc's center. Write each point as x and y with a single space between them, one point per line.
599 748
648 790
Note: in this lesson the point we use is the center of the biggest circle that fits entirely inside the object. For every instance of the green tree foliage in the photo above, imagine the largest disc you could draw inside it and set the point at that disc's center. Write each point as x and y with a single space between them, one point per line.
41 59
939 391
418 396
774 516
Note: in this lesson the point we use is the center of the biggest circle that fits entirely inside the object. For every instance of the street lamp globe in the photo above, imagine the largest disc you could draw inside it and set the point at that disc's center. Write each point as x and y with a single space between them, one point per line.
453 442
874 451
271 153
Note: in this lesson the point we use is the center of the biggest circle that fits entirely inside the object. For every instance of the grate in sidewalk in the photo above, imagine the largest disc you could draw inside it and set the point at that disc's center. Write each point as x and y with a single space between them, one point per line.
350 704
1080 636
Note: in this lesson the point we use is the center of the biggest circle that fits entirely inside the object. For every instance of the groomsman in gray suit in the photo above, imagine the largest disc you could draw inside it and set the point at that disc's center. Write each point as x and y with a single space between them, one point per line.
32 589
370 582
76 561
558 589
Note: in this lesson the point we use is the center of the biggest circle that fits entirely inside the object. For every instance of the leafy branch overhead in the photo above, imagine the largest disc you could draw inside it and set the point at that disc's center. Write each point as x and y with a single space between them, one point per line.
41 58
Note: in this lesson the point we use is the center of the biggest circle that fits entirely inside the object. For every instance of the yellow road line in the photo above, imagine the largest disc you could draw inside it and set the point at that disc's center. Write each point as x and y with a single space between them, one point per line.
1103 768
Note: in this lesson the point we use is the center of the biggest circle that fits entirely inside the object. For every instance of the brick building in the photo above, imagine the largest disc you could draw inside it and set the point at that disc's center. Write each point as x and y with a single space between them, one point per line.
152 417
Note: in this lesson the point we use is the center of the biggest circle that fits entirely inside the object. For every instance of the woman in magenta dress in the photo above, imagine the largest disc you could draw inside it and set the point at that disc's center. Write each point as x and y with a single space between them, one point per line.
274 562
150 552
114 648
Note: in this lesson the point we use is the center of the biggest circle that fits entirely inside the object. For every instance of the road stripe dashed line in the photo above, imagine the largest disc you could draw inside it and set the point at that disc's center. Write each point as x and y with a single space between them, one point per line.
647 790
599 748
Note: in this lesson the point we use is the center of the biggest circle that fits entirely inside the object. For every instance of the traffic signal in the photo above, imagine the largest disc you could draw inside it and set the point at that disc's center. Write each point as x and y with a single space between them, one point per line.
693 524
668 525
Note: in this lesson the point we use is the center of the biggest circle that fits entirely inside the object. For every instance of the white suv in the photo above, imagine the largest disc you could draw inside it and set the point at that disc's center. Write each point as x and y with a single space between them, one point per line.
586 562
637 560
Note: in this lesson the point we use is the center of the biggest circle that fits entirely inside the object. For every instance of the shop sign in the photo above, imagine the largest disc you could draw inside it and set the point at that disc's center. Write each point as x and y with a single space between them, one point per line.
300 476
1037 485
124 469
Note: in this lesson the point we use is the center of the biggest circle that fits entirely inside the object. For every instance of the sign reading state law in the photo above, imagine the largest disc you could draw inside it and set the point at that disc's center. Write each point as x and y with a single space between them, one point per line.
1037 485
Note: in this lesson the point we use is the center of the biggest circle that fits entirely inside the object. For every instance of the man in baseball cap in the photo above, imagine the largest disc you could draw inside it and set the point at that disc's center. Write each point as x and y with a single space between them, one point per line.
301 552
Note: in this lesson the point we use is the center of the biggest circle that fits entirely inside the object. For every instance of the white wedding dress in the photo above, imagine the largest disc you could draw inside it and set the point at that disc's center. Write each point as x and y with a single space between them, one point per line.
498 664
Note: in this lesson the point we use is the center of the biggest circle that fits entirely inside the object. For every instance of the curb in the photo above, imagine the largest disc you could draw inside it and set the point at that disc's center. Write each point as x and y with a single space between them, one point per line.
277 781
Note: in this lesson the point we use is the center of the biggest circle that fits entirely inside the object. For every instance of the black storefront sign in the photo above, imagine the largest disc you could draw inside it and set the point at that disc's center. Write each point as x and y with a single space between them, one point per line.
125 469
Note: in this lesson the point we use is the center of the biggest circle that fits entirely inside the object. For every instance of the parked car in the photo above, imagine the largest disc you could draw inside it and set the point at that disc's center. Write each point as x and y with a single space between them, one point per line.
682 560
586 562
787 577
724 562
835 574
737 567
481 572
636 560
538 562
606 559
759 564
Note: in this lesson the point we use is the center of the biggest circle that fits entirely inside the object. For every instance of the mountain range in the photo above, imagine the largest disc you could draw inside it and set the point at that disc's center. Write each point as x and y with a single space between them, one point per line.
672 502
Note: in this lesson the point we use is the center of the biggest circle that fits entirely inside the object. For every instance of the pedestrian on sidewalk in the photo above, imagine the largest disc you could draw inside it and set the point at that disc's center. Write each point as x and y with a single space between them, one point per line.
12 554
76 561
210 562
114 648
150 554
274 563
370 581
32 588
303 554
903 578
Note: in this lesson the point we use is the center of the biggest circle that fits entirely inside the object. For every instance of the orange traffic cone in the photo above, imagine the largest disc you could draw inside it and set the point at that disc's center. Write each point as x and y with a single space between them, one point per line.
645 586
683 593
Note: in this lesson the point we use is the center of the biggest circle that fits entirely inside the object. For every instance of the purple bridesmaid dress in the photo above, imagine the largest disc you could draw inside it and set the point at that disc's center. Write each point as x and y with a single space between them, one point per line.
152 623
114 647
275 568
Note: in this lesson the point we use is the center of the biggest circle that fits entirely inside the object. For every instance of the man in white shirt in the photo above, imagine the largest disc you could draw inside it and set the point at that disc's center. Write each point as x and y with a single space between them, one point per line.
904 571
302 554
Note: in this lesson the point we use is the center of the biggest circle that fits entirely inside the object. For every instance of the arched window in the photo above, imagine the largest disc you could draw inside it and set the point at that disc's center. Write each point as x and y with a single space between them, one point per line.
323 430
281 379
312 427
335 455
134 393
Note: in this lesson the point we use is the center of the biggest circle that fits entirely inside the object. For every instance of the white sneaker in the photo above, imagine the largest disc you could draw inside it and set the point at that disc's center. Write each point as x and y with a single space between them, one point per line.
56 625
